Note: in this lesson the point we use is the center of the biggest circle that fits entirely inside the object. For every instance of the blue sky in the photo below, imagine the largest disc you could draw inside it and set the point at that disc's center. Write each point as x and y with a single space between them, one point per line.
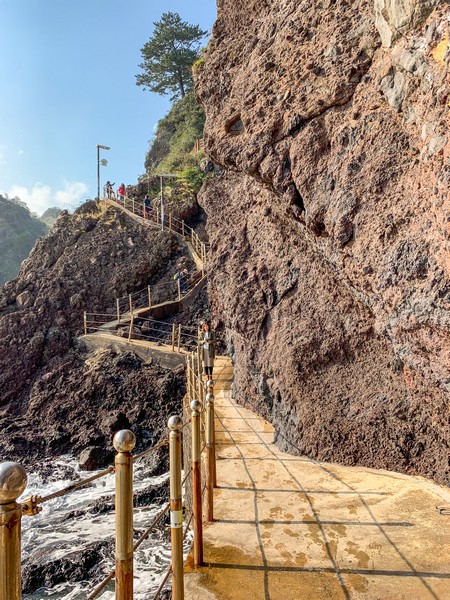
68 83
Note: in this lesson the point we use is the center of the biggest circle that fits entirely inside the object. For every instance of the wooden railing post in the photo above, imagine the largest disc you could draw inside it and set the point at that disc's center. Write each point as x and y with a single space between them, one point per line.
175 425
85 322
149 289
13 480
118 309
130 302
170 221
196 407
132 205
179 289
182 227
124 442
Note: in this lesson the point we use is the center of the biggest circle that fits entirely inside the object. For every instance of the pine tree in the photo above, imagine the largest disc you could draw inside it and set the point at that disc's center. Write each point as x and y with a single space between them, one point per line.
169 55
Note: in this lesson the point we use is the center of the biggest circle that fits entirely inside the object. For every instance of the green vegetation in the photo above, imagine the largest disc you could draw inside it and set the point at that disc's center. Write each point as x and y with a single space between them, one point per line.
169 55
19 230
172 148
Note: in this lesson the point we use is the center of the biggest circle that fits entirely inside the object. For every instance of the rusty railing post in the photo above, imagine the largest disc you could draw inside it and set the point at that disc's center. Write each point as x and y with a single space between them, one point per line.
13 480
196 407
124 442
175 425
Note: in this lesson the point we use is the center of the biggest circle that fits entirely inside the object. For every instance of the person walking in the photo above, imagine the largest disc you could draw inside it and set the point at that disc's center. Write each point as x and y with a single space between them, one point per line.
183 277
121 192
147 208
207 343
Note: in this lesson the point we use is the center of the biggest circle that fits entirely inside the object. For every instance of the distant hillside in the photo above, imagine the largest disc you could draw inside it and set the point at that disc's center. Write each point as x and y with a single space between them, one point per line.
19 230
50 216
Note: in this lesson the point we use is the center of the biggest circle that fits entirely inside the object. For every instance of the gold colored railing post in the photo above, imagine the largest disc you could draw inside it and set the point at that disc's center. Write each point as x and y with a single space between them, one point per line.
132 205
175 425
118 309
149 289
179 337
210 390
130 302
85 323
13 480
210 457
130 333
196 407
179 289
173 337
124 442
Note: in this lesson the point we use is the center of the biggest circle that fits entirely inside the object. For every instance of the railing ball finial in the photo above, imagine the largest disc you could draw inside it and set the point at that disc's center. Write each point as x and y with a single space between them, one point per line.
175 423
124 441
210 383
196 406
13 481
209 397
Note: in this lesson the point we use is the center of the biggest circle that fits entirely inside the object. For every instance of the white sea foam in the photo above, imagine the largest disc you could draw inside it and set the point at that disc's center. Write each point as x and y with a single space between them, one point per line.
47 533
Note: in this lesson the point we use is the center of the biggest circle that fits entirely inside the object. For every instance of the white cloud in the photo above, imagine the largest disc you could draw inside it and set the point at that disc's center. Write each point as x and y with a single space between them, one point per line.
21 152
40 196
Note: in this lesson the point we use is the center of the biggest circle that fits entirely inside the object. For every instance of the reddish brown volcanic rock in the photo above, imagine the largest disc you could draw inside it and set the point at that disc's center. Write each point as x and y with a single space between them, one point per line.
330 232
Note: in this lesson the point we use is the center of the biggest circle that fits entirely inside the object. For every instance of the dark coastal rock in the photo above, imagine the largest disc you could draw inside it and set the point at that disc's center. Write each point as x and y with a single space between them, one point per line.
95 457
43 571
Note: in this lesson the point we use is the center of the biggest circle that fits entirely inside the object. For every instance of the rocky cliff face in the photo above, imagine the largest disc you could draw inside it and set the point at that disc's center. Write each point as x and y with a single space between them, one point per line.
55 396
329 231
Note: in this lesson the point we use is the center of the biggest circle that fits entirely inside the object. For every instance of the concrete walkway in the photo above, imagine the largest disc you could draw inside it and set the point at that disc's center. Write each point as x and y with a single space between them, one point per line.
291 528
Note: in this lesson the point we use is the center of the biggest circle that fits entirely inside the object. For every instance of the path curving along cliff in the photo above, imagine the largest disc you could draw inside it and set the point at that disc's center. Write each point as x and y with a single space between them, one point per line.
330 121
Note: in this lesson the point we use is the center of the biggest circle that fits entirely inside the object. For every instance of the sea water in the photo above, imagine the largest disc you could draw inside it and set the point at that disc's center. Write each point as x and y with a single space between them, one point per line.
58 535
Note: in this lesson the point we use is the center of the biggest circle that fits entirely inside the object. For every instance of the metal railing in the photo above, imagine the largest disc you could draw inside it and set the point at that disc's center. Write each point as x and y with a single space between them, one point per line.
13 480
180 338
169 222
155 295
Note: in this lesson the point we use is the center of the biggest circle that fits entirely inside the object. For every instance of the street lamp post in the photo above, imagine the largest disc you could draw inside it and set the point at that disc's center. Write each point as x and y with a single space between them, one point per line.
161 176
104 162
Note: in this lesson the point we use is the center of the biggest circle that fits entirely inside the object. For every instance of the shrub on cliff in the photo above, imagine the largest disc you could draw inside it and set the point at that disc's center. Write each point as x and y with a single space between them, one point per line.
175 138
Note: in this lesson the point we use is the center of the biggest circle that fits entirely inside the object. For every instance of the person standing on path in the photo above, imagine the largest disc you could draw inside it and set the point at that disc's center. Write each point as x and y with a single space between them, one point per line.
207 342
121 192
147 207
109 189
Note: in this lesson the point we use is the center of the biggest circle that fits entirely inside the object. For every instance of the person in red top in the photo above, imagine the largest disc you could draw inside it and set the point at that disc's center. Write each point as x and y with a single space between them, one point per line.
121 192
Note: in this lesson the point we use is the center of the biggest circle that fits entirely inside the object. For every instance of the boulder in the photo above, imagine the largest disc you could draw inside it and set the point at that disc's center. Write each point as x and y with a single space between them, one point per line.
393 18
